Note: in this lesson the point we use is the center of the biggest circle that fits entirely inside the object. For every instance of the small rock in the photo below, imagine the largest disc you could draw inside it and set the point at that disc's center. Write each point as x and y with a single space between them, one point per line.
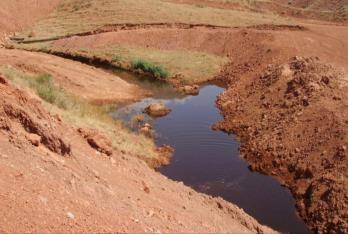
151 213
305 101
70 215
139 118
190 89
325 80
157 110
113 161
146 129
219 205
165 154
34 139
145 188
3 80
100 143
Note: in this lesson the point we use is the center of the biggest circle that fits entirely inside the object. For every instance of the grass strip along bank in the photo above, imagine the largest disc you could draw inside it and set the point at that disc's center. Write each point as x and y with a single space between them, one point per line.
169 65
80 113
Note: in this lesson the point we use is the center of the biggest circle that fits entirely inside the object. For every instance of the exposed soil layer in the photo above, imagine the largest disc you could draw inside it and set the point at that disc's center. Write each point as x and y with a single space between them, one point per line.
292 122
84 81
57 180
216 41
326 41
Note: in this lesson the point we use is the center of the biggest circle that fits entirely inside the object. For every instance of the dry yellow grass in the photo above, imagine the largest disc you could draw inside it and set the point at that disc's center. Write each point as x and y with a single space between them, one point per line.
75 16
79 113
191 66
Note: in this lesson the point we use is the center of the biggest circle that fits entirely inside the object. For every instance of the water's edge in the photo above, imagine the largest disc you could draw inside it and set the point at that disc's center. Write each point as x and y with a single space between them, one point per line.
209 161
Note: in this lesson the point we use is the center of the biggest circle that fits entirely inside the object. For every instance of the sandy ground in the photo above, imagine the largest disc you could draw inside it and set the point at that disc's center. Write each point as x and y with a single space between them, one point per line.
84 81
56 182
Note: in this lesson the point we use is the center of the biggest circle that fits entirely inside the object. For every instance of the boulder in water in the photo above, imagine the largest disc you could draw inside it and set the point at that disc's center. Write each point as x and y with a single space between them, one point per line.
157 110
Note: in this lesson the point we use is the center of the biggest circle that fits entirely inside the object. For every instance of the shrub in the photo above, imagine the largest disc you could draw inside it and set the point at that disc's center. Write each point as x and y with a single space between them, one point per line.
155 70
44 87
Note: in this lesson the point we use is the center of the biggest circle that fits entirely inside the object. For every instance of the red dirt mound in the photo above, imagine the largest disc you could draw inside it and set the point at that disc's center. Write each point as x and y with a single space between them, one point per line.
292 121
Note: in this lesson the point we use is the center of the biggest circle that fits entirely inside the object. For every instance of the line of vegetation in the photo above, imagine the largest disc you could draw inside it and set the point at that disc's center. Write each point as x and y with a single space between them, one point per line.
80 113
147 67
45 89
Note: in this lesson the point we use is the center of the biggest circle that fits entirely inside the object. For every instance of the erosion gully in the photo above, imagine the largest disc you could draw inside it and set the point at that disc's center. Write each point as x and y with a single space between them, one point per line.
208 160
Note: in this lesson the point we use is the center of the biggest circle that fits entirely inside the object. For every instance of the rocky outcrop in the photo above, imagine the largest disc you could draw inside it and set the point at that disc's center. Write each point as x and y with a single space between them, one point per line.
21 113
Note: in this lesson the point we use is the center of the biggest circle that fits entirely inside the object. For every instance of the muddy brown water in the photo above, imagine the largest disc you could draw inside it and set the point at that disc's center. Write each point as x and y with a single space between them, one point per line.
209 161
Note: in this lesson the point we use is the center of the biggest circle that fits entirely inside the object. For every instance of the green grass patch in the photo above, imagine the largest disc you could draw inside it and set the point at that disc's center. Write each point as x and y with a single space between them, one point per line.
45 89
156 70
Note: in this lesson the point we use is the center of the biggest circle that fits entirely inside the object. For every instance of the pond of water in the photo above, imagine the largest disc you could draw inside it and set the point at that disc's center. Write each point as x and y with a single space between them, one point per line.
209 161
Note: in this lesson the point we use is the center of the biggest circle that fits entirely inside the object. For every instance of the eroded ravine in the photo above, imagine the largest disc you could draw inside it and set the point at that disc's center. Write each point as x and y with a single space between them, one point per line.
209 161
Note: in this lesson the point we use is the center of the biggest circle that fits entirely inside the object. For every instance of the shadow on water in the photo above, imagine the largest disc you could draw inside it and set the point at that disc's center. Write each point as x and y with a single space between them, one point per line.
209 161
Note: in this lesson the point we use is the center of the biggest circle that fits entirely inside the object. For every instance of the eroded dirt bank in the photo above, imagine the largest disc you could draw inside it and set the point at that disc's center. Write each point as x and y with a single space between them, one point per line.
53 179
292 121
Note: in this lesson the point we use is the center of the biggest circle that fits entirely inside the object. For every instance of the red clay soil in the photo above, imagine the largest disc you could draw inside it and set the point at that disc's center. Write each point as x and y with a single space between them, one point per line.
327 41
291 115
17 14
292 121
95 85
53 180
216 41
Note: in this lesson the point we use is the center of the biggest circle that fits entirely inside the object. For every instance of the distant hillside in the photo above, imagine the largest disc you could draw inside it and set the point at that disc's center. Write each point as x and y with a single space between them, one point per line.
16 14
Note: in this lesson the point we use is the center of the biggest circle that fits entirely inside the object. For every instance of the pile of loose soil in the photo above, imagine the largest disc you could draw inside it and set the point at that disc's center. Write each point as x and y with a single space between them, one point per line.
292 122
